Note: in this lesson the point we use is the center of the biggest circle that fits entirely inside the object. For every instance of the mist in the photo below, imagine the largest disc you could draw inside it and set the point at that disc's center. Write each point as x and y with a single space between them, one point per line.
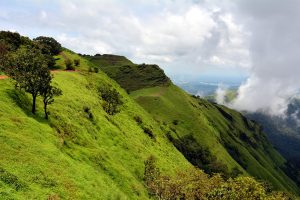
275 55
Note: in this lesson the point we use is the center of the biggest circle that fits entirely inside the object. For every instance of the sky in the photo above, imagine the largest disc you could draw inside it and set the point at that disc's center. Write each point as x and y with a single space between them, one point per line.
255 39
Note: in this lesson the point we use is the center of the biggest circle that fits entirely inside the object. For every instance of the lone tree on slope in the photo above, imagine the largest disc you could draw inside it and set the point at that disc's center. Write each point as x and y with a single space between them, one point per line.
48 93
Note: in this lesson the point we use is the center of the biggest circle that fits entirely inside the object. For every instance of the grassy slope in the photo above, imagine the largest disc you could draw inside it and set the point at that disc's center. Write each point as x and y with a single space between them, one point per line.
205 123
210 128
72 156
129 75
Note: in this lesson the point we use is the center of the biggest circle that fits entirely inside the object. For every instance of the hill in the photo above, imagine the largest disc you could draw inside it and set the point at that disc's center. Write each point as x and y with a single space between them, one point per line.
211 136
85 152
77 154
129 75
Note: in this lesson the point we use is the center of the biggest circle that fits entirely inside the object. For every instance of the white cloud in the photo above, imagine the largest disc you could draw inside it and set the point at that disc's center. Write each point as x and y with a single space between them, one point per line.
175 34
275 55
221 94
182 36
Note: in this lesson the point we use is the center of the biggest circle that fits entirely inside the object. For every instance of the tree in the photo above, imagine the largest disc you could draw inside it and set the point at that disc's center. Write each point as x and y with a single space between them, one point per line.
112 99
27 66
49 44
12 39
48 93
3 52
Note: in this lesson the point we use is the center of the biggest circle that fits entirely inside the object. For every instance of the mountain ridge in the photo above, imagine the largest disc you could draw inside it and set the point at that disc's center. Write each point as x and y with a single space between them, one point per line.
84 152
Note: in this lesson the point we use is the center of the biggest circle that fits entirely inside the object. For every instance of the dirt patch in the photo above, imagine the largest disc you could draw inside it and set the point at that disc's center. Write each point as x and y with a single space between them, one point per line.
3 77
52 71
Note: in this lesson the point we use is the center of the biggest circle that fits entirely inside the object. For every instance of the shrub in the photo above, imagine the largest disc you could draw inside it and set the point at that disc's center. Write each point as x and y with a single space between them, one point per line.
12 180
151 174
138 120
193 183
69 64
112 99
148 131
175 122
76 62
88 112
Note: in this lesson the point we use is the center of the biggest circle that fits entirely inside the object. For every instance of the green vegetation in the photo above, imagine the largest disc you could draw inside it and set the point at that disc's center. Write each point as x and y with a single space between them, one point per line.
130 76
74 156
97 138
112 99
76 62
28 68
195 184
48 45
48 93
214 137
69 64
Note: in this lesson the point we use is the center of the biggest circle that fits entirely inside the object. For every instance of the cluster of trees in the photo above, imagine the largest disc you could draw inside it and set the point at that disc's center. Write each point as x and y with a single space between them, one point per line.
27 63
195 184
10 42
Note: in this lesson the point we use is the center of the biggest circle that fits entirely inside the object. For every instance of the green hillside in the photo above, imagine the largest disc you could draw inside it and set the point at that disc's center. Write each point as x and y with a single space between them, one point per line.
225 139
74 155
129 75
234 140
82 152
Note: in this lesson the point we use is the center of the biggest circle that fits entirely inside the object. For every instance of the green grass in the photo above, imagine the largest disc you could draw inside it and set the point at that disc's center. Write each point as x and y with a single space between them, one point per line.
67 54
130 76
107 60
72 156
217 128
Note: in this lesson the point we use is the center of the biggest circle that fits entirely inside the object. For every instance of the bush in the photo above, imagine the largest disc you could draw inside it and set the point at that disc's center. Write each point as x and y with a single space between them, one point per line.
138 120
175 122
112 99
88 112
149 132
193 183
69 64
76 62
12 180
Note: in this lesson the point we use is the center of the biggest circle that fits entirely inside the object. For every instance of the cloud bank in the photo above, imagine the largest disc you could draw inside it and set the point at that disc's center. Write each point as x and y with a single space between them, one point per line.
275 49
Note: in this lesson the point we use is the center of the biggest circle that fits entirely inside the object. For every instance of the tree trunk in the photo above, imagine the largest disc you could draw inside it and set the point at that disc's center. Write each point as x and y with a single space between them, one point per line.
33 104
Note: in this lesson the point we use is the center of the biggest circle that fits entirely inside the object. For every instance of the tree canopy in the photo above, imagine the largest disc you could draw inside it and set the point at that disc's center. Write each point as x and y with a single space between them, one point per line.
48 45
28 67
